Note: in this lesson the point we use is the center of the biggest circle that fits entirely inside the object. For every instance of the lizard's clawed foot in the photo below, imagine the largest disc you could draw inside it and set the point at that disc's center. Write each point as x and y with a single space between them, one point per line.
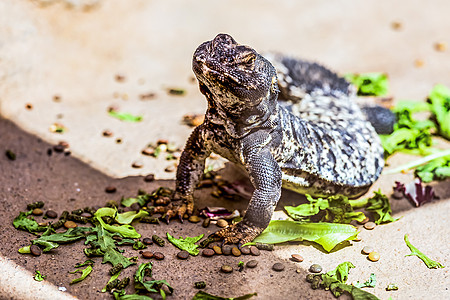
240 233
179 210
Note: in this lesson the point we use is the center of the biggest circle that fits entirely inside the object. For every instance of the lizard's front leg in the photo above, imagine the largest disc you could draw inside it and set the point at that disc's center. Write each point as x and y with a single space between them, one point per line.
189 172
265 175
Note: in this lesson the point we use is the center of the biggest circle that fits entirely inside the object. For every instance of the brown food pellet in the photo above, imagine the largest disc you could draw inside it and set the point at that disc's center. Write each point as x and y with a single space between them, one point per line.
51 214
118 140
119 78
194 219
297 257
222 223
440 46
183 255
37 212
208 252
254 251
252 264
206 222
396 25
226 269
35 250
148 151
86 214
235 251
278 267
147 241
135 206
70 224
58 148
245 250
374 256
107 133
29 106
158 256
367 250
110 189
217 249
149 178
137 164
370 225
363 221
170 168
147 254
226 249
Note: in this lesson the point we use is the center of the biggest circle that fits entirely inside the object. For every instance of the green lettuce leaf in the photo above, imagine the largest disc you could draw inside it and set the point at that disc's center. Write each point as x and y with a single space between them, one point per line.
381 209
187 244
370 84
437 169
123 296
127 231
38 276
431 264
22 222
440 106
328 235
152 286
140 199
371 282
205 296
123 116
129 216
51 240
84 273
113 277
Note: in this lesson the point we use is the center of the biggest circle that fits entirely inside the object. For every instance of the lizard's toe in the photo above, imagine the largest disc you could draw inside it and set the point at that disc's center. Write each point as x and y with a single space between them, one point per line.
239 233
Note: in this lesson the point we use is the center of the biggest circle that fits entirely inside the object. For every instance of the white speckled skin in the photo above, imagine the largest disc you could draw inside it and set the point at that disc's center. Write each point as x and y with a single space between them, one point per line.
315 141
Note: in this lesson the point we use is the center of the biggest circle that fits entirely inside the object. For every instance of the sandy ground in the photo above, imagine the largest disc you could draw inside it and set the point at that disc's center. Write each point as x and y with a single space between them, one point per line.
64 63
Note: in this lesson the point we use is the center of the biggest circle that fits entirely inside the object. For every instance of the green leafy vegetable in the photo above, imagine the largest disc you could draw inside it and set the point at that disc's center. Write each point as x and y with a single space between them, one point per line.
381 209
440 106
336 209
187 244
371 282
38 276
51 240
84 273
22 222
437 169
335 281
140 199
88 262
125 230
327 235
431 264
205 296
370 84
113 277
129 216
139 245
120 295
421 161
25 250
123 116
391 287
153 286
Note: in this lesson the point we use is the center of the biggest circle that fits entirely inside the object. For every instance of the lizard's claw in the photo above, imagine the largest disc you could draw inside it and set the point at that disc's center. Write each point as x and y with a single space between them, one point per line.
179 210
240 233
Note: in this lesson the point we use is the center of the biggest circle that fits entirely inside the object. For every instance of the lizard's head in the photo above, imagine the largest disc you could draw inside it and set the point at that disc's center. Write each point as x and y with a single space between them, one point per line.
236 76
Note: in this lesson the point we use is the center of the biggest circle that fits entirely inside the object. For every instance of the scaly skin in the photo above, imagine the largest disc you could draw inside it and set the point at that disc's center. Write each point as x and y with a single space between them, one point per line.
317 141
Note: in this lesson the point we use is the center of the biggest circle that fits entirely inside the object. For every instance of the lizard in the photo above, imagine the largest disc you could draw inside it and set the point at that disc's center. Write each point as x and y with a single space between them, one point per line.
289 123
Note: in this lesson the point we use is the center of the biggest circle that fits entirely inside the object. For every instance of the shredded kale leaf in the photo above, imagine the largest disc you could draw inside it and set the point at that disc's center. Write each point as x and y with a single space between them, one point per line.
22 222
205 296
328 235
371 282
152 286
187 244
51 240
440 106
123 116
335 282
84 273
370 84
38 276
431 264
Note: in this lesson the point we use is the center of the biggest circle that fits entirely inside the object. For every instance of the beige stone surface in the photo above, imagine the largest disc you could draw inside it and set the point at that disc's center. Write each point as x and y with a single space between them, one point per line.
76 53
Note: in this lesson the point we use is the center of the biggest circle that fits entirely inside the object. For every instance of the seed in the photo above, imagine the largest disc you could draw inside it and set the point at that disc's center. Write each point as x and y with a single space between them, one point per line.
183 254
396 25
254 251
208 252
370 225
158 241
118 140
440 46
147 254
366 250
357 239
245 250
235 251
29 106
267 247
217 249
110 189
70 224
170 169
137 164
252 264
366 219
206 222
200 285
226 269
51 214
222 223
226 249
43 224
374 256
297 257
278 267
158 256
315 268
37 212
35 250
194 219
107 133
119 78
149 178
135 206
86 215
147 241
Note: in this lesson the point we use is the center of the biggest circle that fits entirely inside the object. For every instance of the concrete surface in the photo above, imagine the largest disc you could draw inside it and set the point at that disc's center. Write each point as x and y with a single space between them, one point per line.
75 54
